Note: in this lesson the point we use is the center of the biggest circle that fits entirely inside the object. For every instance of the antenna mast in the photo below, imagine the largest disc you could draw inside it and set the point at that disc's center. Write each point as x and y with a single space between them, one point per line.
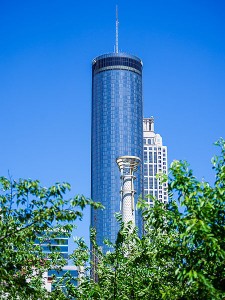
117 27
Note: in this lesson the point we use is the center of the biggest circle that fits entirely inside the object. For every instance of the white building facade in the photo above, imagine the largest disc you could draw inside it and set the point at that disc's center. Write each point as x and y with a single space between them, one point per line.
154 162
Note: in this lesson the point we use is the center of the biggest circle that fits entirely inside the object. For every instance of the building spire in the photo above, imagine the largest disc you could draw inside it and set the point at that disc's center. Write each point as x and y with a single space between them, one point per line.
117 30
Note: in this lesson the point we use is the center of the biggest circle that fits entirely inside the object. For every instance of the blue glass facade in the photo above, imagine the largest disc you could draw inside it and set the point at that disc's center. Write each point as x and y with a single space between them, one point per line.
58 274
117 120
57 244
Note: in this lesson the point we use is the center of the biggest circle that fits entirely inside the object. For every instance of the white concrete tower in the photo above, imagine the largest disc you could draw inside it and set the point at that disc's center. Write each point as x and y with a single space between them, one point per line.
127 165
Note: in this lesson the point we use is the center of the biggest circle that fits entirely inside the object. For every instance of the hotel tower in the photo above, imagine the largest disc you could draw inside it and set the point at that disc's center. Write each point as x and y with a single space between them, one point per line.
117 130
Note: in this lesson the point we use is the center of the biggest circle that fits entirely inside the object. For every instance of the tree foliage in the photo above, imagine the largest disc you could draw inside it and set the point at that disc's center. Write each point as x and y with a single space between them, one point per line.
180 256
28 210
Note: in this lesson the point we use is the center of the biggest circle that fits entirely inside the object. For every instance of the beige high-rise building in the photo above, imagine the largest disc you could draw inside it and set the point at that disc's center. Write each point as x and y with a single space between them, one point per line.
154 162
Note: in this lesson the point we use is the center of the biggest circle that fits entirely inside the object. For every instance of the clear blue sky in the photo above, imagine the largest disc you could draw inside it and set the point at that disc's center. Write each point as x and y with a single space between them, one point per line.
46 49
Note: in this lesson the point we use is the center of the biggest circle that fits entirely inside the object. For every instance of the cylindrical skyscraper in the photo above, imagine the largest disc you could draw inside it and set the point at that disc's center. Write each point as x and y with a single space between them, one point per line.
117 130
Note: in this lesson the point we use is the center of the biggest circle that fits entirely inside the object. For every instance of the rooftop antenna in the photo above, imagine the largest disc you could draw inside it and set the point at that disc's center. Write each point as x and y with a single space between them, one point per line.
117 27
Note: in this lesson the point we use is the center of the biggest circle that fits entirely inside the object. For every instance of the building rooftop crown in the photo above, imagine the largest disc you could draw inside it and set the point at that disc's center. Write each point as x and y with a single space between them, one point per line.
119 54
148 124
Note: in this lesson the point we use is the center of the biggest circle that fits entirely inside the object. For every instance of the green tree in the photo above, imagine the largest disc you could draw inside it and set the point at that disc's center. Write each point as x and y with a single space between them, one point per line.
180 256
28 210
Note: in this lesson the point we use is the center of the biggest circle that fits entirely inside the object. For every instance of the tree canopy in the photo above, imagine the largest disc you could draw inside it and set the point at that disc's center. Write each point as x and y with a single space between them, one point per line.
181 255
28 211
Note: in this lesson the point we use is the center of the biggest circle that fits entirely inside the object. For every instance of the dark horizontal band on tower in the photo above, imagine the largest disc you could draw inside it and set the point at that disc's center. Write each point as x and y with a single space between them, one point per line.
120 63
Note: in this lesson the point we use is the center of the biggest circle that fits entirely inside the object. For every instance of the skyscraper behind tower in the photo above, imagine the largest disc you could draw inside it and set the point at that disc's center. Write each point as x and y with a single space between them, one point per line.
117 130
154 162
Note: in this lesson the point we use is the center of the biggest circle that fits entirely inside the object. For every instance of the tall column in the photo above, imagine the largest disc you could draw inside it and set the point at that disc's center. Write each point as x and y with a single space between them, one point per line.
127 165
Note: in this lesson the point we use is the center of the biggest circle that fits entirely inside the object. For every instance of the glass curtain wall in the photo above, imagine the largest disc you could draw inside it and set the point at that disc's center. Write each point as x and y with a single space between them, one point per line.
117 130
